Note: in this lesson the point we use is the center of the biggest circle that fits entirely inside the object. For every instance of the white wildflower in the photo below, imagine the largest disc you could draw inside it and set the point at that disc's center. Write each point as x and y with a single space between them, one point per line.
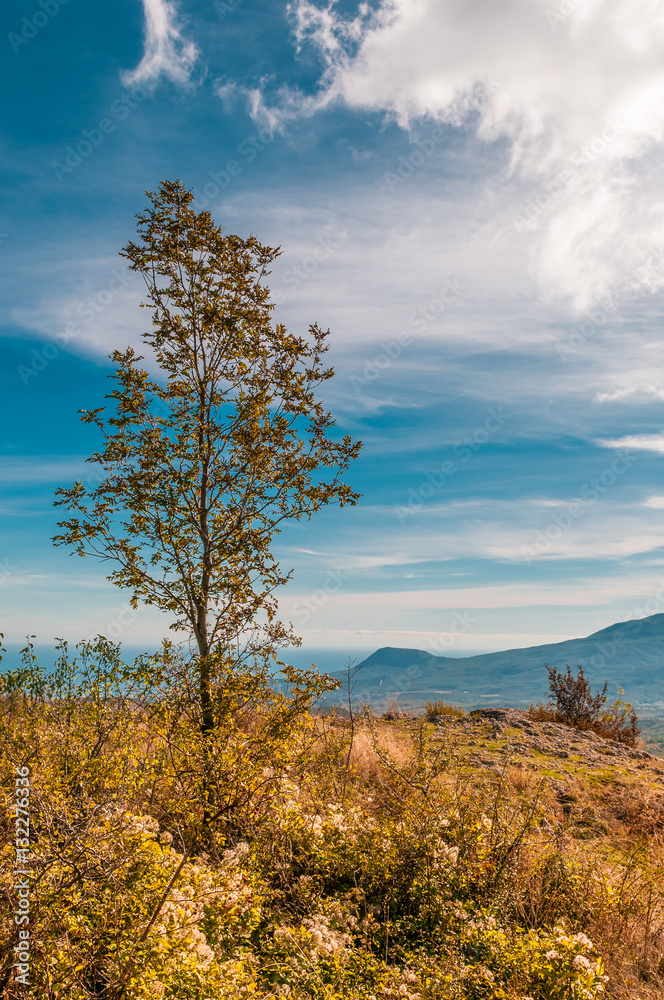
580 962
323 938
141 824
234 855
317 827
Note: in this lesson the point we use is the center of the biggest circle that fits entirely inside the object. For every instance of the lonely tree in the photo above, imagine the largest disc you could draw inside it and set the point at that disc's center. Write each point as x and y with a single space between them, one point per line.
203 460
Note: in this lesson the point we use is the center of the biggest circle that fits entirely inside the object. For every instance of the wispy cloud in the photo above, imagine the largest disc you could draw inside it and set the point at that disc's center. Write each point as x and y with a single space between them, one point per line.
466 644
166 52
272 119
643 392
636 442
352 609
22 470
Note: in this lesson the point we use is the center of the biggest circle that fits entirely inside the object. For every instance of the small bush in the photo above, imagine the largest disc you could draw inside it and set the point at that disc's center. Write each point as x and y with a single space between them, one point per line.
619 722
435 708
573 704
542 713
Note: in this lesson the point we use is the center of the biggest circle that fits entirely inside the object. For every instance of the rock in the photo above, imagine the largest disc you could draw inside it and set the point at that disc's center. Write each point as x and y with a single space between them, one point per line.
522 736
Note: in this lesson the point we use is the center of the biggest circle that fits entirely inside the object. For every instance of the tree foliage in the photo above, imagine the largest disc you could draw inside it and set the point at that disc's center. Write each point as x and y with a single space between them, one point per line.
202 464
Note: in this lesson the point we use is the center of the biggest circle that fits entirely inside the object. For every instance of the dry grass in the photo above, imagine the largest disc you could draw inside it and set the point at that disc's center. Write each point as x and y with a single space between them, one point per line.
435 708
521 779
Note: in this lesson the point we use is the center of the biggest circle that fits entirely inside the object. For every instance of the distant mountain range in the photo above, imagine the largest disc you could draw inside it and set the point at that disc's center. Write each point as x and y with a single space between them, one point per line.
629 654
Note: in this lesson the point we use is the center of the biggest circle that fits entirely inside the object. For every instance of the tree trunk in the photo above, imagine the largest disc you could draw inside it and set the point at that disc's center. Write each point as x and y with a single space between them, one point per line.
205 689
207 723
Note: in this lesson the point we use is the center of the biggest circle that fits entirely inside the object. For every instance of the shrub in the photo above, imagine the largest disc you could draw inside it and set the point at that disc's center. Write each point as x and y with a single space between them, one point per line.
619 722
572 703
435 708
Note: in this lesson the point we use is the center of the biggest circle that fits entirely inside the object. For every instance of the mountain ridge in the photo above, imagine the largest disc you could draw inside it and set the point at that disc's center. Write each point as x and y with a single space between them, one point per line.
627 654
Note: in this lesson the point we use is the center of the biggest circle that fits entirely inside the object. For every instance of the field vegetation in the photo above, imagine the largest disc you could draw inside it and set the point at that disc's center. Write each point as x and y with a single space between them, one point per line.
341 858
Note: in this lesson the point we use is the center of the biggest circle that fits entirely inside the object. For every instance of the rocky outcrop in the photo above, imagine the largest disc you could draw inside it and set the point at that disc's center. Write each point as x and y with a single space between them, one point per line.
499 733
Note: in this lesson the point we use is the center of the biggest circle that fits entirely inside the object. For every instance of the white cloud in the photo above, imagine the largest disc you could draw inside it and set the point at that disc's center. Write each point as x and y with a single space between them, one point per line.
466 644
351 611
637 442
600 527
642 392
166 52
92 308
579 98
271 119
656 502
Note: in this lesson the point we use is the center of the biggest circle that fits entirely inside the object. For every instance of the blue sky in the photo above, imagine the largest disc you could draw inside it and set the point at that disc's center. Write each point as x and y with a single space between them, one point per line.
468 194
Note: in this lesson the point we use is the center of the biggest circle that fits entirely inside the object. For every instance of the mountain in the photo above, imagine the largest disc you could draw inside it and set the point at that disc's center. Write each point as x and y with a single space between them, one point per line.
629 654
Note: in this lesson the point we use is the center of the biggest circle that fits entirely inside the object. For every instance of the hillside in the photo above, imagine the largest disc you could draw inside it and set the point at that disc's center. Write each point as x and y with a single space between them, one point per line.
481 857
629 654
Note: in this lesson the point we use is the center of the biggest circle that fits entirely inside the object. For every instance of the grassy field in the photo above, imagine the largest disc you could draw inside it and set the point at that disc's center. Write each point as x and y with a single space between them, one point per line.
315 856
